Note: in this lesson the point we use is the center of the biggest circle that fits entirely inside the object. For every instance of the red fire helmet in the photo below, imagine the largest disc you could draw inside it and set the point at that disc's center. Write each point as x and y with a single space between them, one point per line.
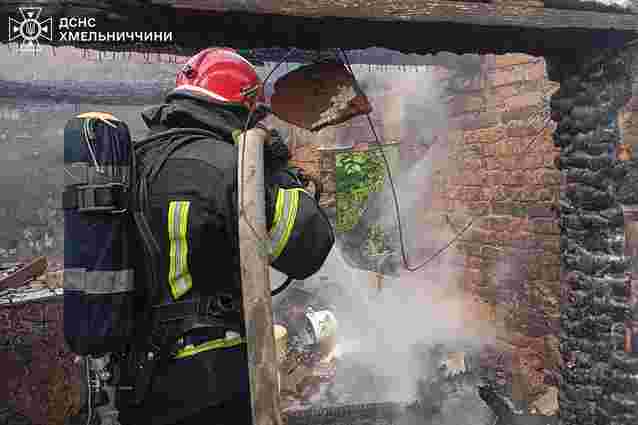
220 75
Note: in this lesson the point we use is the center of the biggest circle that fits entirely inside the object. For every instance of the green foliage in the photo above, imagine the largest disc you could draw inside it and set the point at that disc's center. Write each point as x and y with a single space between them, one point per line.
348 212
376 240
519 211
352 173
352 189
358 174
376 171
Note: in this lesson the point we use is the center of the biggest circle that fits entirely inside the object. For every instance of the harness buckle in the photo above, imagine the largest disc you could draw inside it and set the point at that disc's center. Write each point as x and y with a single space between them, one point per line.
218 305
97 198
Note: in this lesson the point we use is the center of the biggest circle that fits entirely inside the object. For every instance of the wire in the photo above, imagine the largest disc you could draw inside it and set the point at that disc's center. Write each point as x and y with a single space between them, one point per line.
397 210
89 136
404 253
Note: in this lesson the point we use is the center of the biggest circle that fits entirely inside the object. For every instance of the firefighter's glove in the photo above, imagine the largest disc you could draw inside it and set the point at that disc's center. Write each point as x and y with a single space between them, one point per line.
276 153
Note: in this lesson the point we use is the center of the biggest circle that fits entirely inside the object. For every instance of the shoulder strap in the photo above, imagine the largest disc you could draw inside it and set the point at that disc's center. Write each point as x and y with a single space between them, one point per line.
167 142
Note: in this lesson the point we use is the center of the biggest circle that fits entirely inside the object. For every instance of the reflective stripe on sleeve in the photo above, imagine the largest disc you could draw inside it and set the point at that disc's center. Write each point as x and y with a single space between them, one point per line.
284 220
179 277
236 135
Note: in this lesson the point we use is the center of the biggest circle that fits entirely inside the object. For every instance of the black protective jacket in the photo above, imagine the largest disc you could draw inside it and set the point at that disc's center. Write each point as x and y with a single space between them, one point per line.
192 213
190 172
204 175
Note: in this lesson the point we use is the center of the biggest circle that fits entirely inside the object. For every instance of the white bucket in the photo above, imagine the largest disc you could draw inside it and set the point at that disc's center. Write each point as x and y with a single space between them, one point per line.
323 324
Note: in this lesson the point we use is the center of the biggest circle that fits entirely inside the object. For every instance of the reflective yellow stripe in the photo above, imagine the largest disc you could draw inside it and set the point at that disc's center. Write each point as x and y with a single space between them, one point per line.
292 216
214 344
236 135
285 215
279 209
179 277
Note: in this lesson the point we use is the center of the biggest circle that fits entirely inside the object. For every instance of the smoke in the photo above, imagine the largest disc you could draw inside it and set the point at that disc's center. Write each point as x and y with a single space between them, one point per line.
409 108
387 334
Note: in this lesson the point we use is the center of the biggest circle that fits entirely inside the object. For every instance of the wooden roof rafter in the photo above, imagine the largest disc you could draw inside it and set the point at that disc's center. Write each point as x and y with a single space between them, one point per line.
408 26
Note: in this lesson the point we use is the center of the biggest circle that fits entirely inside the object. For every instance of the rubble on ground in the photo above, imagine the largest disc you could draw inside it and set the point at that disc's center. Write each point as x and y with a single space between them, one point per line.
42 379
547 404
39 375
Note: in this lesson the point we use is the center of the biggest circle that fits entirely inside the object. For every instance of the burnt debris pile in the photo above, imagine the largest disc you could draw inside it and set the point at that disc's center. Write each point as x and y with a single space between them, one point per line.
599 382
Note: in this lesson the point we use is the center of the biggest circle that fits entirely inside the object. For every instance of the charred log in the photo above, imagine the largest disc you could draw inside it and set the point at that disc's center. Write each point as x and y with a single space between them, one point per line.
628 192
458 27
595 283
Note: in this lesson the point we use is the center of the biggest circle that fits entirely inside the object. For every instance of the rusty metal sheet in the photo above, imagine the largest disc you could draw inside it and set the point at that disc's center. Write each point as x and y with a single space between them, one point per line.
318 95
25 273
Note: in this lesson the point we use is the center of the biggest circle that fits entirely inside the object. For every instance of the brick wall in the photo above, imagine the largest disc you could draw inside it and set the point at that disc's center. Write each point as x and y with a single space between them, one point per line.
308 153
501 171
494 172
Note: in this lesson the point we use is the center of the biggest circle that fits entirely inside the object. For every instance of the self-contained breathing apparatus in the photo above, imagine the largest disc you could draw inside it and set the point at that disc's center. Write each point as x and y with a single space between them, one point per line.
99 287
109 291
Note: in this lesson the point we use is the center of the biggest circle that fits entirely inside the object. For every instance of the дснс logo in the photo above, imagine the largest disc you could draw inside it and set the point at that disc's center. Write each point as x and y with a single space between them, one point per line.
30 28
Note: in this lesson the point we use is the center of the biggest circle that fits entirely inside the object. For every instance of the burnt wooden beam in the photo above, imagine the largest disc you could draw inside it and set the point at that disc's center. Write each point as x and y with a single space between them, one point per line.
629 7
409 27
70 91
314 34
25 273
477 13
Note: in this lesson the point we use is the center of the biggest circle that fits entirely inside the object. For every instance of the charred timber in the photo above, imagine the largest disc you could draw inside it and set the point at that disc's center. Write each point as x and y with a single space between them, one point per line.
489 13
540 32
595 283
628 191
594 6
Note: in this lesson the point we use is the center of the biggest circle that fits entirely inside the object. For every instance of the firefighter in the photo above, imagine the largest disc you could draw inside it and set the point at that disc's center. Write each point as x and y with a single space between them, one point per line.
192 215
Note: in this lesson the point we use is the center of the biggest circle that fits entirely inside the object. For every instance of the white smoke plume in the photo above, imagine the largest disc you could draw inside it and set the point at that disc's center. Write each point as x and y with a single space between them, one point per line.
382 332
